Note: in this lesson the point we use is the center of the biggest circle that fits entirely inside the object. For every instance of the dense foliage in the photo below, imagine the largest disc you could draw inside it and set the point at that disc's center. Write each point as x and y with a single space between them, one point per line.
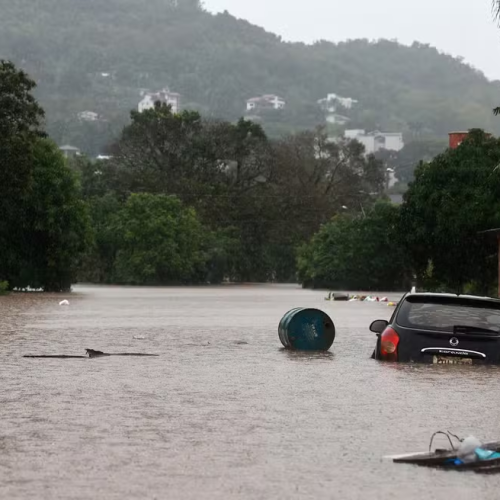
440 235
43 227
54 222
160 242
20 118
188 199
363 252
97 55
256 199
453 199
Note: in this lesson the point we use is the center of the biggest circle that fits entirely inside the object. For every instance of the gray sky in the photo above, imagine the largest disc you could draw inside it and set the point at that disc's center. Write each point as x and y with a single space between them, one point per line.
459 27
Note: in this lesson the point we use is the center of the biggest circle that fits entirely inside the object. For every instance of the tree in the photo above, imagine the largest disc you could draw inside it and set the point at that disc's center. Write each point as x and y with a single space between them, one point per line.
164 152
161 242
269 195
361 252
54 223
312 179
99 178
214 166
20 121
98 263
452 199
315 177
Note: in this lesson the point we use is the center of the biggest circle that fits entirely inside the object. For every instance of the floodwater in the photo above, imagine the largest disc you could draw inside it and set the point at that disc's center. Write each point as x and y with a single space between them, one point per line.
215 418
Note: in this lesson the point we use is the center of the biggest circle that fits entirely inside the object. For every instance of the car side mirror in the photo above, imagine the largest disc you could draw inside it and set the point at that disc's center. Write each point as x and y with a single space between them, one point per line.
379 326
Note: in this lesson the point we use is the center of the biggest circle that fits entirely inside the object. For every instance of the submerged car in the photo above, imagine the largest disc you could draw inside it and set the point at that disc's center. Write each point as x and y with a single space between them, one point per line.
441 329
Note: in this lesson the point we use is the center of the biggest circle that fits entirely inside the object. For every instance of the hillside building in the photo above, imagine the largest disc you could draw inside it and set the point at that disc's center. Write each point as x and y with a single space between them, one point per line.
267 101
163 96
375 141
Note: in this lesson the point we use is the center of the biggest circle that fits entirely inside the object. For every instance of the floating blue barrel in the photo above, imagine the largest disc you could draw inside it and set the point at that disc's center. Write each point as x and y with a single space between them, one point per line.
307 330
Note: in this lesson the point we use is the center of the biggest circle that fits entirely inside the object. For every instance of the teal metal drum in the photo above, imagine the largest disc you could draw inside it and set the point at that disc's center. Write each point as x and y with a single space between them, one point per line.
307 330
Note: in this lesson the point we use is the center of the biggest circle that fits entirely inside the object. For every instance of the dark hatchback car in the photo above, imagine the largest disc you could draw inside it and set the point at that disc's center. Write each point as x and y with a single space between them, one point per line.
440 329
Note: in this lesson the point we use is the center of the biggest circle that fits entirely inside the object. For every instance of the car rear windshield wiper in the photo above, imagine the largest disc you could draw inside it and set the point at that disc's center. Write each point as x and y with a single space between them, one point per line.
471 330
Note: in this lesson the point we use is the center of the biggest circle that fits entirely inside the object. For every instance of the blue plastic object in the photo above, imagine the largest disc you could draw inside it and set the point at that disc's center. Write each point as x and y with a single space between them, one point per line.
483 454
306 330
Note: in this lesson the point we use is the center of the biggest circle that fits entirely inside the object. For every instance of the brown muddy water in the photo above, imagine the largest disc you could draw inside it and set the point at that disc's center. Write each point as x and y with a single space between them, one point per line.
214 418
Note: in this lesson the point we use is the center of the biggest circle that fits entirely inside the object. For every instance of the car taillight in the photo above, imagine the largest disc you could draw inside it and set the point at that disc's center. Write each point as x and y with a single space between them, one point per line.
389 341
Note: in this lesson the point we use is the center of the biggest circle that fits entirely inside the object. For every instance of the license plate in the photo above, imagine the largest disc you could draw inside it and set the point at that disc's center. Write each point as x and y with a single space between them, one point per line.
450 360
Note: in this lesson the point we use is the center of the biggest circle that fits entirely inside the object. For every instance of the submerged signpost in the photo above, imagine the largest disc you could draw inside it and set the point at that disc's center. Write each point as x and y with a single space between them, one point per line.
495 233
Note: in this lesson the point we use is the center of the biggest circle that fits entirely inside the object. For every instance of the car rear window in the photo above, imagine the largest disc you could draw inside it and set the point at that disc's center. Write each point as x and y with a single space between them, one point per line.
433 313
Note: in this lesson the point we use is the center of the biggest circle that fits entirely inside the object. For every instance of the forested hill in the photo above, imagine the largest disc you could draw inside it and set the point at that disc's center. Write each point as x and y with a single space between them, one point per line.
217 62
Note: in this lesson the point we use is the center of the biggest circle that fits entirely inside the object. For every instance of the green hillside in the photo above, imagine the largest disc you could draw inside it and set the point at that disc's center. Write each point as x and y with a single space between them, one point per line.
217 62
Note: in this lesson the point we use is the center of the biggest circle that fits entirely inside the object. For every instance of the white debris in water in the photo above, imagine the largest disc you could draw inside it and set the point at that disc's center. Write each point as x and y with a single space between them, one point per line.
64 303
140 337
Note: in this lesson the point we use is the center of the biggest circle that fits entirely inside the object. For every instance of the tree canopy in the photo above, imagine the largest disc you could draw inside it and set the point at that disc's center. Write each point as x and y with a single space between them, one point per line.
43 226
257 199
162 242
54 222
20 121
363 252
453 199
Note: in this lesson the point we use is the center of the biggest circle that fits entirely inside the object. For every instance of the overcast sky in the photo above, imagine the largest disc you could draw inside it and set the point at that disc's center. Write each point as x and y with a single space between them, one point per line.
459 27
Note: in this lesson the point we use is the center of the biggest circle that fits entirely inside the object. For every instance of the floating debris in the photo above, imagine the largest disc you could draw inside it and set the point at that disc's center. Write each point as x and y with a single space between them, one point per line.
371 298
341 297
54 356
64 303
337 296
467 454
28 290
91 353
97 354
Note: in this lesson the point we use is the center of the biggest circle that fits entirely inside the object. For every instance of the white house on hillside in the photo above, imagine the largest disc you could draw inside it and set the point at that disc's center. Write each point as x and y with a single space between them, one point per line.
375 141
268 101
332 101
331 104
163 96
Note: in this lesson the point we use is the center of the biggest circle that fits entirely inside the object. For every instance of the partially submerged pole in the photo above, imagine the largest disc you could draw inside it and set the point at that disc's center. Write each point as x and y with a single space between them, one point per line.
498 240
495 232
